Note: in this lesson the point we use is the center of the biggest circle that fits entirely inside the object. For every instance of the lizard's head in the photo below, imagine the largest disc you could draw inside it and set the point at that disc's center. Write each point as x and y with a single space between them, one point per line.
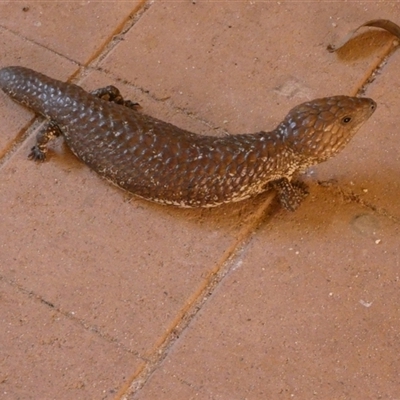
321 128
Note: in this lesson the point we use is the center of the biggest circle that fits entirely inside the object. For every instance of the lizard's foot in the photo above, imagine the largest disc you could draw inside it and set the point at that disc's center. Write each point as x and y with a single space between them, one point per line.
290 194
39 150
111 93
38 153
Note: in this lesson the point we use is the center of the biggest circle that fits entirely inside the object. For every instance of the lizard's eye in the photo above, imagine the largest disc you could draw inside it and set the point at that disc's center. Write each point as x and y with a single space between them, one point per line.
346 120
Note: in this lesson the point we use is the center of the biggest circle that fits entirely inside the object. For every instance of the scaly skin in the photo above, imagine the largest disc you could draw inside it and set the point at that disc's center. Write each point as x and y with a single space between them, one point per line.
163 163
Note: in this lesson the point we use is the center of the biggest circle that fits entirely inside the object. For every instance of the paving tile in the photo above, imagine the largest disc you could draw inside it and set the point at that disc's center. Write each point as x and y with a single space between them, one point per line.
57 251
370 165
238 65
258 74
126 269
158 109
121 265
310 309
78 30
45 355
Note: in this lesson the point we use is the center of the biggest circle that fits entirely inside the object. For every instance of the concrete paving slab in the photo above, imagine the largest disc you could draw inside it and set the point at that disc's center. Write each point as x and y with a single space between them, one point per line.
47 355
240 65
124 267
258 74
370 167
309 310
131 272
157 109
77 30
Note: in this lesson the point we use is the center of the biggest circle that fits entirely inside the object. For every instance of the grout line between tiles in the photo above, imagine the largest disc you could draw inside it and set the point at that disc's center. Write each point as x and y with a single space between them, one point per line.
230 257
350 196
376 68
70 317
23 134
38 44
222 268
130 21
133 17
368 78
195 303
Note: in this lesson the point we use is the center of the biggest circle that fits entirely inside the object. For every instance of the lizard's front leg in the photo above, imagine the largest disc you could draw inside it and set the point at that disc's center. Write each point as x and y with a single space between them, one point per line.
111 93
290 194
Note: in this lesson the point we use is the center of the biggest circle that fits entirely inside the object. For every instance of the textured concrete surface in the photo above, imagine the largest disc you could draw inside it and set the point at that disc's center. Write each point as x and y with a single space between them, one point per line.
106 296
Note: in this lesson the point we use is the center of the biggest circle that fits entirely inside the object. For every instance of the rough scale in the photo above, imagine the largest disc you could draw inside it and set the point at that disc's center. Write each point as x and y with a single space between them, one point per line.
163 163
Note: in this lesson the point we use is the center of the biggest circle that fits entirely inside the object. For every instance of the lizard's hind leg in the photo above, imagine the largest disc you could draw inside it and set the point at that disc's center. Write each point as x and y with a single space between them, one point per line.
39 150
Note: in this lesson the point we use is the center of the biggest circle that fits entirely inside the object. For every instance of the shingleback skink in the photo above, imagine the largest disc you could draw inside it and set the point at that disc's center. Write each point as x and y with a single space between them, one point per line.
163 163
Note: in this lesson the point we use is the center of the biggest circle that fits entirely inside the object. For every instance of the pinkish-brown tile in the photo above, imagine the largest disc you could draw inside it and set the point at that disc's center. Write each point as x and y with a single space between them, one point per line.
76 30
370 165
245 73
309 309
227 65
125 268
45 355
19 51
121 265
159 109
